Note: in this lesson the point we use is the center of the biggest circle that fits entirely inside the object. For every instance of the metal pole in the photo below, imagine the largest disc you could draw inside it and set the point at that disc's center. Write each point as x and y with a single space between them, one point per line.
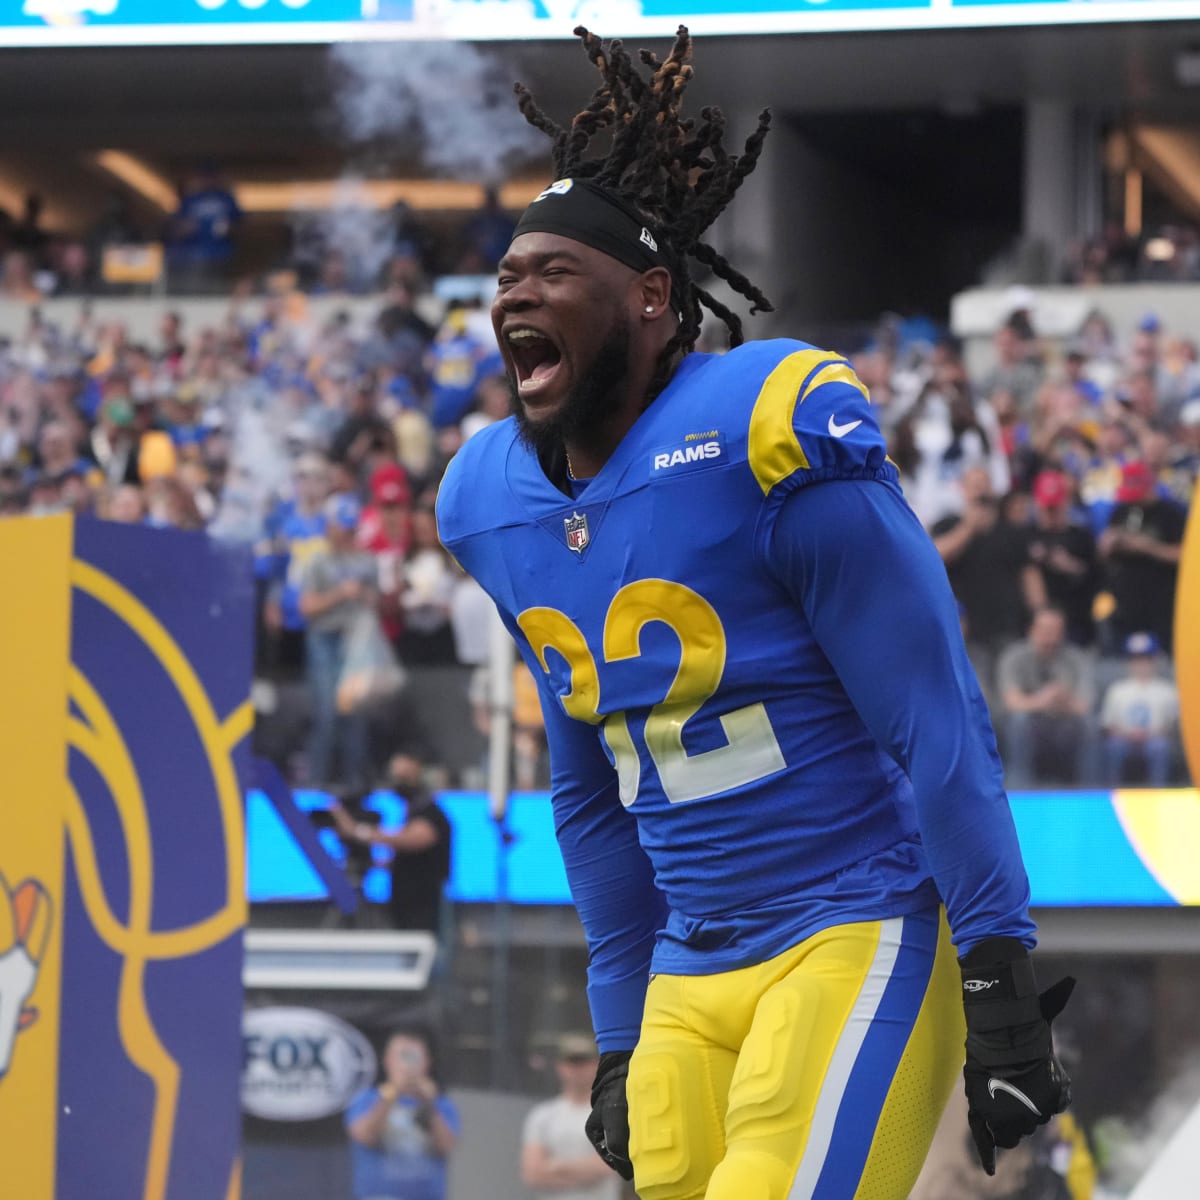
501 658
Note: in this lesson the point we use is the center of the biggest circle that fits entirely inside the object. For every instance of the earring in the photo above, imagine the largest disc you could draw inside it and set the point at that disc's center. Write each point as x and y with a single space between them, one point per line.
649 307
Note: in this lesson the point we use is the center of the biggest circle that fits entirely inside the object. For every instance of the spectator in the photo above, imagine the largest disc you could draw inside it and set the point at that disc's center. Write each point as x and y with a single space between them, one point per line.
172 347
1145 347
420 848
12 490
126 505
1140 550
455 359
364 432
28 234
557 1160
1046 692
493 402
412 247
471 615
386 532
17 278
486 236
336 591
950 435
403 1132
70 268
200 234
1185 450
989 564
1159 452
1057 431
57 451
401 335
428 638
296 532
45 496
415 445
1065 554
115 442
1017 369
1139 396
1101 475
1014 435
169 505
1179 374
1097 339
74 493
1075 374
1139 715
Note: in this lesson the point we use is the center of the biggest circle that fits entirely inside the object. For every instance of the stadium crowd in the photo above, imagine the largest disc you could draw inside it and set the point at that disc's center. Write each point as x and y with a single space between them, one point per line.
1055 485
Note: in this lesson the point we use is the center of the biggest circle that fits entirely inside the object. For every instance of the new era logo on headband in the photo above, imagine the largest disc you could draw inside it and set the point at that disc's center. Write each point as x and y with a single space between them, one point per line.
560 187
647 238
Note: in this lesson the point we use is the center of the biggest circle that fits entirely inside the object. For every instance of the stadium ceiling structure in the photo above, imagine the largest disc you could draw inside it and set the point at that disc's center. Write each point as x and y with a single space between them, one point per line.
270 114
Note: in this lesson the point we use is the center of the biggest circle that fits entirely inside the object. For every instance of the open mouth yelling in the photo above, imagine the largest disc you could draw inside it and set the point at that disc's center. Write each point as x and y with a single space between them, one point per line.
535 359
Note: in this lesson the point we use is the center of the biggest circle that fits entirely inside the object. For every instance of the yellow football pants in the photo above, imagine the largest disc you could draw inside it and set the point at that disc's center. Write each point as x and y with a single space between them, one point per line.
817 1075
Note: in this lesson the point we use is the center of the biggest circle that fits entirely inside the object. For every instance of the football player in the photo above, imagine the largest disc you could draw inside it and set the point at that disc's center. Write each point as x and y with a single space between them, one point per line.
775 785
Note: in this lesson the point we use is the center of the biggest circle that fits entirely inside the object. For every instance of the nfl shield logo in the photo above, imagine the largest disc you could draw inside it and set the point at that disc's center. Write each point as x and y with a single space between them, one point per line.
577 531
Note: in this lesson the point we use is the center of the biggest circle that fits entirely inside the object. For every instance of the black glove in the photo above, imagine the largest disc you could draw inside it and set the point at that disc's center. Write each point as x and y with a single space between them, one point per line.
607 1127
1014 1082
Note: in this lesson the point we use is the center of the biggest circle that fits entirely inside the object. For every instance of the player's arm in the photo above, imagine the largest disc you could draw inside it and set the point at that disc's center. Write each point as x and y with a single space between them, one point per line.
621 909
876 595
611 880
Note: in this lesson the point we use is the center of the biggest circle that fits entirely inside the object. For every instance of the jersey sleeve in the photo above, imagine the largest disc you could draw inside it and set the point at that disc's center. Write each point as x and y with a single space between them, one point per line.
611 879
812 421
855 557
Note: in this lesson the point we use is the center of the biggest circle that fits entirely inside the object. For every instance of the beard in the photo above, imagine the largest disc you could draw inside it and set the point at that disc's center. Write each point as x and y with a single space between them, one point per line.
589 406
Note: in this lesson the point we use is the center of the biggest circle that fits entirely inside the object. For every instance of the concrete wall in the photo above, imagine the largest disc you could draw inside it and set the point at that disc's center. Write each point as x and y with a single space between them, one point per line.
141 314
1059 312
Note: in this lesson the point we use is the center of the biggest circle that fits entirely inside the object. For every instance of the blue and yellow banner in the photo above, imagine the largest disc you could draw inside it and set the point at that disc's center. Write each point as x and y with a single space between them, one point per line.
124 714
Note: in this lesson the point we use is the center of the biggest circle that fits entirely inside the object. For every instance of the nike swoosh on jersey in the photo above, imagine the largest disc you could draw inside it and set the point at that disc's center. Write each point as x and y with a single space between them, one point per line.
841 430
1001 1085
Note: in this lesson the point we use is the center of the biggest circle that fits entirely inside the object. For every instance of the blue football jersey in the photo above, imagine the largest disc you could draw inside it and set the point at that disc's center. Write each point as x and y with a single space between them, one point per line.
664 622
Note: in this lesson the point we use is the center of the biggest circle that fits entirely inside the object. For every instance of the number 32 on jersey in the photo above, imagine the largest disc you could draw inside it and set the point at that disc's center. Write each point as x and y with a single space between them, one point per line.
751 752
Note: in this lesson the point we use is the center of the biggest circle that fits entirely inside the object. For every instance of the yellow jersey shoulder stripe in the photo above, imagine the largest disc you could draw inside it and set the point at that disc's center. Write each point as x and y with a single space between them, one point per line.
773 450
838 372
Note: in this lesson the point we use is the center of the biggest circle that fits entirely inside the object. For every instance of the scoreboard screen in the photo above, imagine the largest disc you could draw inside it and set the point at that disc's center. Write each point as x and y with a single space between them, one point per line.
218 22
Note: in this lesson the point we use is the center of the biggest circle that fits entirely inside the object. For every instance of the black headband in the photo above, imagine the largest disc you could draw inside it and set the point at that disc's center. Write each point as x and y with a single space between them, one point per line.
583 212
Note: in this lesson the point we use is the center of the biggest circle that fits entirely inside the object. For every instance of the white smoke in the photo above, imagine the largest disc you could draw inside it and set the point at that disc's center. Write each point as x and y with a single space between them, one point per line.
451 100
1133 1148
259 467
363 235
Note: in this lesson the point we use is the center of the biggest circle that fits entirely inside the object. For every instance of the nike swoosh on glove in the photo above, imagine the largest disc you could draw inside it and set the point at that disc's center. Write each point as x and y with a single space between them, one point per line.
1014 1082
607 1126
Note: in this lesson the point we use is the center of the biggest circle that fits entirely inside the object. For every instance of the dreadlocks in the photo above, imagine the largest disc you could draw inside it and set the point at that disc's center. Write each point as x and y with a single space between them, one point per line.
675 172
